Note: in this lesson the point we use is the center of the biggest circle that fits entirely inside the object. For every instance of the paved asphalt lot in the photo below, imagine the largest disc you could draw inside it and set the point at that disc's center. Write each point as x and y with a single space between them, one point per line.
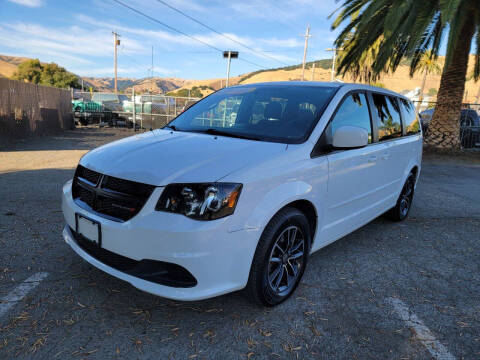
342 309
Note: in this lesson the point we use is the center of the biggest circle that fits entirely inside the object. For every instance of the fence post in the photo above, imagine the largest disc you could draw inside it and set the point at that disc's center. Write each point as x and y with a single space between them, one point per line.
134 114
71 107
141 114
168 109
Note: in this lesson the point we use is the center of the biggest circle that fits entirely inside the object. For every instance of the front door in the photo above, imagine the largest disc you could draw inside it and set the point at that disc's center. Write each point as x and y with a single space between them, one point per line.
355 176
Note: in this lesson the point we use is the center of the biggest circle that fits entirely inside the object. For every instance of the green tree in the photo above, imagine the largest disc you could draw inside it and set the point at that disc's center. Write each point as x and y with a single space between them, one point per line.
35 72
408 29
30 71
57 76
194 92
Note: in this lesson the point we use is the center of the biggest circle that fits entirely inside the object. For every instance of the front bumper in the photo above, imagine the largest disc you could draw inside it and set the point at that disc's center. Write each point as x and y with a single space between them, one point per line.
218 258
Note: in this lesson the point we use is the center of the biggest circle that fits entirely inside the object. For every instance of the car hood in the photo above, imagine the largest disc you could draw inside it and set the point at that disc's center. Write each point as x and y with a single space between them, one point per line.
161 157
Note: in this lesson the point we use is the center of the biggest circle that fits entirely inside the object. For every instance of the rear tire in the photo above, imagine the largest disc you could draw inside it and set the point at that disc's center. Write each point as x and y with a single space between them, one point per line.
404 202
280 258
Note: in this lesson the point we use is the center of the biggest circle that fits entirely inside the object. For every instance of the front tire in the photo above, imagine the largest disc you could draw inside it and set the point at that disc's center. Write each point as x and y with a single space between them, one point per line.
280 259
404 202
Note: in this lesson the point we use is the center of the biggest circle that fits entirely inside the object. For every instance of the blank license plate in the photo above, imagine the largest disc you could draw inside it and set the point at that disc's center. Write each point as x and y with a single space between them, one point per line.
90 229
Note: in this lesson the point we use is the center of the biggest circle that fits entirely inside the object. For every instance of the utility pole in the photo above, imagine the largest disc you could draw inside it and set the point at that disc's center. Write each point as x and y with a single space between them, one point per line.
229 55
313 71
307 36
151 82
116 42
333 61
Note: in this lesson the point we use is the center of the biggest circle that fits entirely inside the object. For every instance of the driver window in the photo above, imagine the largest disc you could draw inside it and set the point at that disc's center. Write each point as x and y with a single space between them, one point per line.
353 112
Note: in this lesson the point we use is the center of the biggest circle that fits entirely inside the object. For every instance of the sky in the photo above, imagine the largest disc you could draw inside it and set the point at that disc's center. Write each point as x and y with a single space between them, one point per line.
78 35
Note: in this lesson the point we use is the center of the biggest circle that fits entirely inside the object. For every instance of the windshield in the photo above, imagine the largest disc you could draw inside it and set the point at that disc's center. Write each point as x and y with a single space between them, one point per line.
280 113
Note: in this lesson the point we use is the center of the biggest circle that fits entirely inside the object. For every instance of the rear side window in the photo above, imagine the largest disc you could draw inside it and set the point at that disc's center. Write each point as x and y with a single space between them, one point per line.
410 120
353 112
388 116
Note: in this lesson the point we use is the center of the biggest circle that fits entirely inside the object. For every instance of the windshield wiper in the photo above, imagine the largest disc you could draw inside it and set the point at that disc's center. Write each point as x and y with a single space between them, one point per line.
173 127
213 131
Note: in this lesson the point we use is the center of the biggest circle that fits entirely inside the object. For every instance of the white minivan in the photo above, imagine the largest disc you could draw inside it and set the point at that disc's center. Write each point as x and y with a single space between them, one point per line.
240 189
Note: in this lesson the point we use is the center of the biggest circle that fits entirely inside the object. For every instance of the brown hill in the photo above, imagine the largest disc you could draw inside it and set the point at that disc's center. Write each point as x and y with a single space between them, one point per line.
399 81
8 64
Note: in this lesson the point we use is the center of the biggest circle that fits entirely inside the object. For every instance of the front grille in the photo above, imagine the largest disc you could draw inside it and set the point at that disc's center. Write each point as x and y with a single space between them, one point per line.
159 272
87 174
111 197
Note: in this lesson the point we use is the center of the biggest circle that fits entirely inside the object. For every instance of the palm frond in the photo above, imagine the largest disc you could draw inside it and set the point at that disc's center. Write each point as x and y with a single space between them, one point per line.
456 26
449 8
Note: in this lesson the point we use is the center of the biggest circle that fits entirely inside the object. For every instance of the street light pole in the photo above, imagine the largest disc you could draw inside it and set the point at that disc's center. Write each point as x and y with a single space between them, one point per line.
228 67
229 55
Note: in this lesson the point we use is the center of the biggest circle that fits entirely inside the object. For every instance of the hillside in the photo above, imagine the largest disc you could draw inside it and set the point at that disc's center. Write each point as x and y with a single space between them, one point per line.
8 64
400 81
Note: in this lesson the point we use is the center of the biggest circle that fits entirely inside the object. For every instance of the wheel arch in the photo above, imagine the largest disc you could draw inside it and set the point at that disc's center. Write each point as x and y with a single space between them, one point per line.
310 212
307 208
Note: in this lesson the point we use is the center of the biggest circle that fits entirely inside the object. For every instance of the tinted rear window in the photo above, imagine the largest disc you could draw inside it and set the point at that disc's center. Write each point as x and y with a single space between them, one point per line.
410 120
388 116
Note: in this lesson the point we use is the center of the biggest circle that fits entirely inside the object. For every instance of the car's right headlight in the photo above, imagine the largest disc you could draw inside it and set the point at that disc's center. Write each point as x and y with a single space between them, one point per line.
203 201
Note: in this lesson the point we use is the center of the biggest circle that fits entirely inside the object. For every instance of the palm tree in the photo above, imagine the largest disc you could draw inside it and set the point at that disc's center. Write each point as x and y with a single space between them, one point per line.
408 30
362 70
428 64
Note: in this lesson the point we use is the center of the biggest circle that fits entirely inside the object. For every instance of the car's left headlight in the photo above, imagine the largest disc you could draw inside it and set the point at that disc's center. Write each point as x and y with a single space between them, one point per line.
208 201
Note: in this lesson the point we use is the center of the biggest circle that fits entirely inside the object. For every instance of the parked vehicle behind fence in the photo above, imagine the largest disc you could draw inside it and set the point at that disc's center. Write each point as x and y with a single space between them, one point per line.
151 108
242 187
99 108
469 126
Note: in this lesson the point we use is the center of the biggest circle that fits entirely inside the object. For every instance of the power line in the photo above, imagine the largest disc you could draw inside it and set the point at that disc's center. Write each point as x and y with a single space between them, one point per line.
252 63
179 31
166 25
219 33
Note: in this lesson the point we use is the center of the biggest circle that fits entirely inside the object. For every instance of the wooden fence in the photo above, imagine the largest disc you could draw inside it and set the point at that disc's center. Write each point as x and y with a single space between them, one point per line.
29 109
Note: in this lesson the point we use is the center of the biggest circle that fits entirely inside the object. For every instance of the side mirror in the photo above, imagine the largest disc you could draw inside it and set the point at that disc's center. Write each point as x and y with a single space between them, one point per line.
349 137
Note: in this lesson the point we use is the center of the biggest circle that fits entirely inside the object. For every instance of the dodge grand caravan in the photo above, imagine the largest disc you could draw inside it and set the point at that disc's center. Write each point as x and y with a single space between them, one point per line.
241 188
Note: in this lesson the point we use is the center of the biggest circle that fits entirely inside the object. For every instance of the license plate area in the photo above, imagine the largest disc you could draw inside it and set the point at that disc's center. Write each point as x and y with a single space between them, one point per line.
89 229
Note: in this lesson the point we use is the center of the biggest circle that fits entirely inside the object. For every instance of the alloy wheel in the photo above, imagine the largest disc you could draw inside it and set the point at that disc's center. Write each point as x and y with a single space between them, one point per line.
286 260
406 197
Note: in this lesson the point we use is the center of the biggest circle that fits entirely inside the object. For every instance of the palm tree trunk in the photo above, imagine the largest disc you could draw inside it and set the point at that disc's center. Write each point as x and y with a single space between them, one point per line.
443 132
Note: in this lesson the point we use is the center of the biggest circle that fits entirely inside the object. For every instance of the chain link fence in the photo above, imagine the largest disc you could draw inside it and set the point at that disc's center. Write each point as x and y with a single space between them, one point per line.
469 121
144 112
29 109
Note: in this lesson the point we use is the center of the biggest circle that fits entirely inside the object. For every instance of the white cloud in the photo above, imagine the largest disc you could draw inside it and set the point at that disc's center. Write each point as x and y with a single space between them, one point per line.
29 3
168 40
67 42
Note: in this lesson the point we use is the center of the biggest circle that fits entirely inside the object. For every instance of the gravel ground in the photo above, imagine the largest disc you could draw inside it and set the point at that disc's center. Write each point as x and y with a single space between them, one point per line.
340 310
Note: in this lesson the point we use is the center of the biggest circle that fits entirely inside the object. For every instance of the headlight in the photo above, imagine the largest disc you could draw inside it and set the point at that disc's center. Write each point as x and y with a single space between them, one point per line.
200 201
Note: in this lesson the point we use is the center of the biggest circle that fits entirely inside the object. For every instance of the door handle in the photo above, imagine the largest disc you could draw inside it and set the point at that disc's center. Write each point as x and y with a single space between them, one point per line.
372 158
